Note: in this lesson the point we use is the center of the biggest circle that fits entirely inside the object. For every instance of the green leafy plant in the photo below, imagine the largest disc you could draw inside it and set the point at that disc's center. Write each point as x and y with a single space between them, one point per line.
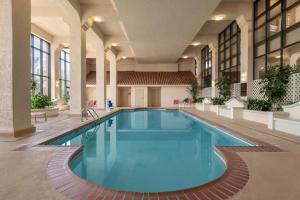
295 69
185 100
40 101
33 85
200 99
260 105
66 98
218 101
194 90
286 103
223 84
274 84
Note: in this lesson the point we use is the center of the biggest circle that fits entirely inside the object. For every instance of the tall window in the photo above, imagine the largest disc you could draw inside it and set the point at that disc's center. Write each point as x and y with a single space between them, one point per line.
64 73
229 53
206 67
40 64
276 34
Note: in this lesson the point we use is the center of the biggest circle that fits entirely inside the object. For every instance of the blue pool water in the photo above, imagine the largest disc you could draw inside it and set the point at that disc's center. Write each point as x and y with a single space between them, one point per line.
149 151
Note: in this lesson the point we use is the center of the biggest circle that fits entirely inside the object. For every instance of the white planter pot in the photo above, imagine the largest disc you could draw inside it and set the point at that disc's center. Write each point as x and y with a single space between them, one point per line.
232 113
202 106
288 125
50 112
214 108
263 117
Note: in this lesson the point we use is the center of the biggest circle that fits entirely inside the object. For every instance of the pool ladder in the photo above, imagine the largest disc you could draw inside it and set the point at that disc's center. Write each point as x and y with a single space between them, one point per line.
89 111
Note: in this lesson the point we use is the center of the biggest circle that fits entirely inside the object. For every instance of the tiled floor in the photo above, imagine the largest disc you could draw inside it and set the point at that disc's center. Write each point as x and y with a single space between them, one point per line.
273 175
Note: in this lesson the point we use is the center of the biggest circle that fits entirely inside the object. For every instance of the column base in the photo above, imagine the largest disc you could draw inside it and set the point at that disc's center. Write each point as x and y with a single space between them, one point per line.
11 133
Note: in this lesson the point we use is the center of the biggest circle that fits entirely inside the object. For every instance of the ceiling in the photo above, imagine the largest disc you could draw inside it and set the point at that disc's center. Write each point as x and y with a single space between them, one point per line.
151 31
212 27
160 31
95 2
51 24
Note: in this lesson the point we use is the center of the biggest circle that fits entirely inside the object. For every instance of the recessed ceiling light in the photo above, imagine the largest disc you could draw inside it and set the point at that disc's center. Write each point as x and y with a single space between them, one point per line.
124 57
114 44
185 57
97 19
219 17
196 44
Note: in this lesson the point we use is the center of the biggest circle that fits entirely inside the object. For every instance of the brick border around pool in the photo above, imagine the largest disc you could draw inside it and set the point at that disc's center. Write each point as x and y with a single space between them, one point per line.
230 183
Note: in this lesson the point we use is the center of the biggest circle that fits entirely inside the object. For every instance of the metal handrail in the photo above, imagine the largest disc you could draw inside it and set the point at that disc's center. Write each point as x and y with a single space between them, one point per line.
91 111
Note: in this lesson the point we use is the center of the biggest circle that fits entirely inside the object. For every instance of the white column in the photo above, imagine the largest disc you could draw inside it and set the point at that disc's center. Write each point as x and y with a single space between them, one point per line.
242 23
198 69
55 64
146 97
113 76
77 69
15 75
214 68
100 77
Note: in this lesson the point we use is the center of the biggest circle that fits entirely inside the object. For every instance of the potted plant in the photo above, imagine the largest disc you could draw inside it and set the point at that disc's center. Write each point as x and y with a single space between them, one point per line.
43 103
260 111
274 84
223 85
66 99
194 91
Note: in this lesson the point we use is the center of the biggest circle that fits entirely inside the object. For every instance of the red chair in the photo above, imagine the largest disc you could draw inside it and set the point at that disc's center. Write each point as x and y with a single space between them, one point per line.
176 101
92 103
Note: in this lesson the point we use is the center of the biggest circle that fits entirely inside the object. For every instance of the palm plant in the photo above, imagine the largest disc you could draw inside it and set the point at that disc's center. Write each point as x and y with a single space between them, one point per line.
223 84
194 91
274 84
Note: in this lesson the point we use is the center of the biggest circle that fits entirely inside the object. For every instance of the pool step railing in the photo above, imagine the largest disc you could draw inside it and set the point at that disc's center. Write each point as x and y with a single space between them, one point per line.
89 111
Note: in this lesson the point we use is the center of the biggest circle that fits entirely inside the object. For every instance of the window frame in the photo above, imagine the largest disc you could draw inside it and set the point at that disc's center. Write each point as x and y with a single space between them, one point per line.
267 38
64 79
41 75
206 72
228 37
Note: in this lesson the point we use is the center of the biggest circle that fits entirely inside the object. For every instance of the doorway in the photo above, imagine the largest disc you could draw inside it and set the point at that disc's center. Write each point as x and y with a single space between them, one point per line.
124 97
154 96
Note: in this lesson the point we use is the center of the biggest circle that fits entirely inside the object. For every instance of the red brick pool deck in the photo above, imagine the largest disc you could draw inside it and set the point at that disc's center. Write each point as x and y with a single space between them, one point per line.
229 184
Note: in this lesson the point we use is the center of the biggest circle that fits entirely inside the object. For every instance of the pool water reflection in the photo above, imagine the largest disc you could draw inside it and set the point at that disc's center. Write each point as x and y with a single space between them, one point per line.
149 151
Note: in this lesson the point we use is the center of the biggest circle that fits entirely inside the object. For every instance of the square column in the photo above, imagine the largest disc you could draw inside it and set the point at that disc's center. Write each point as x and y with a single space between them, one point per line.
77 69
214 73
245 48
15 119
55 65
100 78
113 76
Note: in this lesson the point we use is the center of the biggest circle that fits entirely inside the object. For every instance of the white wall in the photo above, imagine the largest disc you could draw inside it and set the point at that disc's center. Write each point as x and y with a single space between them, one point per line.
139 96
187 65
41 33
90 93
169 93
131 65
